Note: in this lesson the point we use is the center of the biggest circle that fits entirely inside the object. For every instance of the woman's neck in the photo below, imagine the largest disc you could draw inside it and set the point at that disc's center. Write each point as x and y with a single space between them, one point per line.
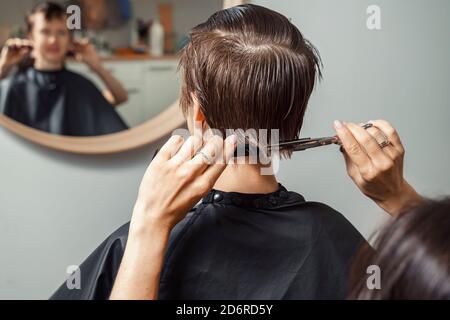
246 178
43 65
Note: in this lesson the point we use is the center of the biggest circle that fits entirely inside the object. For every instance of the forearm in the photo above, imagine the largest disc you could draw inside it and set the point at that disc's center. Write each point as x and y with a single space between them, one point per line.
174 182
4 70
139 273
118 94
404 200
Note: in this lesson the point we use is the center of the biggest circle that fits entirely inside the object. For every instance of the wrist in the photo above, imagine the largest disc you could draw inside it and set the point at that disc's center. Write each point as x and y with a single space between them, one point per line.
154 235
148 230
4 68
95 66
147 223
406 198
141 239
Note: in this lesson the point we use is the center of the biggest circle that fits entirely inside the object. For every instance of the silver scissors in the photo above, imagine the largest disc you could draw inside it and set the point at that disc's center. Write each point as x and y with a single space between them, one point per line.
309 143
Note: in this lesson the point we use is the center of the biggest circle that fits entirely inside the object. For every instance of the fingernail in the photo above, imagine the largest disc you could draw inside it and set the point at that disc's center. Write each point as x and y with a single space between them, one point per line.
337 124
232 139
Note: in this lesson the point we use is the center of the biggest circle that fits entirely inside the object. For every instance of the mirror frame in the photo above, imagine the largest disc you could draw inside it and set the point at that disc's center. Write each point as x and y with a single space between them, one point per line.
150 131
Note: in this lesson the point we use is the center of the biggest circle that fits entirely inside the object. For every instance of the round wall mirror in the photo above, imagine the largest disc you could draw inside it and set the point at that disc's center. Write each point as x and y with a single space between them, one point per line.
118 86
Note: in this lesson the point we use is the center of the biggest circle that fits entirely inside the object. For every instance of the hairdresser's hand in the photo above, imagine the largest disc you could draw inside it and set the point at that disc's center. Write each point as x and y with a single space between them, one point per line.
178 178
174 182
377 171
13 52
85 52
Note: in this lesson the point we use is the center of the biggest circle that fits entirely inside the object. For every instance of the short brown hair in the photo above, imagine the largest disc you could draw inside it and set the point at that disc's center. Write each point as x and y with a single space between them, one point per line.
51 10
250 68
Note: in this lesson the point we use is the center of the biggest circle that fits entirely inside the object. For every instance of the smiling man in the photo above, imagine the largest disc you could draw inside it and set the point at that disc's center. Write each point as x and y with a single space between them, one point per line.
45 95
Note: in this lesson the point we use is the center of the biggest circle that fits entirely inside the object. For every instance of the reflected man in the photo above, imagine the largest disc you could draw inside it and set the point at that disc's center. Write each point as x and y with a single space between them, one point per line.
45 95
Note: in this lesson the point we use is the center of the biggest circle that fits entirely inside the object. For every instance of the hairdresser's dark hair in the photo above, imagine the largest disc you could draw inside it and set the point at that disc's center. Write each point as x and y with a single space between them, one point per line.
413 254
250 68
51 10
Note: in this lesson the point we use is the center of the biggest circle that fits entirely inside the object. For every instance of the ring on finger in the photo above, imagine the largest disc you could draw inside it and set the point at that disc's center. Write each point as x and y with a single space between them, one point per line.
207 158
384 143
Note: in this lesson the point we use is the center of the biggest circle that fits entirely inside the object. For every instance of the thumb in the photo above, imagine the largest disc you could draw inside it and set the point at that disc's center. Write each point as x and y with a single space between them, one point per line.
351 167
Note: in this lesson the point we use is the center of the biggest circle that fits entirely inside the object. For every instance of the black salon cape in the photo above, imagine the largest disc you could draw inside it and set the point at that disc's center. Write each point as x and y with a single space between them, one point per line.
239 246
59 102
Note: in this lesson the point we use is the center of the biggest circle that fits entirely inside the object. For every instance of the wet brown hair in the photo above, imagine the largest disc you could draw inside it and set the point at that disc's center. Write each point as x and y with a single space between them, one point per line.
250 68
51 10
413 254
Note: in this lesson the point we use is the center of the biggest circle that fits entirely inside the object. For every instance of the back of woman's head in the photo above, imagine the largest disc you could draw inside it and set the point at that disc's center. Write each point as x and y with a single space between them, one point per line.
250 68
413 254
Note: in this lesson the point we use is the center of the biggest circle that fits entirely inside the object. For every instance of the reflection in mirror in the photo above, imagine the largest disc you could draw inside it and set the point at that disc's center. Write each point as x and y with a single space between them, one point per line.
106 68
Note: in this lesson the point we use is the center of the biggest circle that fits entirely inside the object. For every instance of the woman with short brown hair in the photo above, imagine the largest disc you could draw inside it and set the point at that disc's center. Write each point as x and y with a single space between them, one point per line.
247 67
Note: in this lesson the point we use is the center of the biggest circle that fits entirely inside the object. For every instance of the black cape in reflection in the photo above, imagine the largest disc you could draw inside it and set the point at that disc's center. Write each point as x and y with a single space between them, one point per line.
240 246
59 102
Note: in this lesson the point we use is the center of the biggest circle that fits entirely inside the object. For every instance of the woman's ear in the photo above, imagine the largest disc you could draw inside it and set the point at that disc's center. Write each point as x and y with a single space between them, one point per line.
198 113
198 118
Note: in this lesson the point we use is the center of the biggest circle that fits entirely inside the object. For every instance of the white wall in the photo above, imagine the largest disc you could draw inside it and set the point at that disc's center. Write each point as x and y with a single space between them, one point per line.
56 208
401 73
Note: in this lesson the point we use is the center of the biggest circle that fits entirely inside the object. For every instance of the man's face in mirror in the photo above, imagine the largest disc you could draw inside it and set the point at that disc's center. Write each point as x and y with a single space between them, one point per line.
51 39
